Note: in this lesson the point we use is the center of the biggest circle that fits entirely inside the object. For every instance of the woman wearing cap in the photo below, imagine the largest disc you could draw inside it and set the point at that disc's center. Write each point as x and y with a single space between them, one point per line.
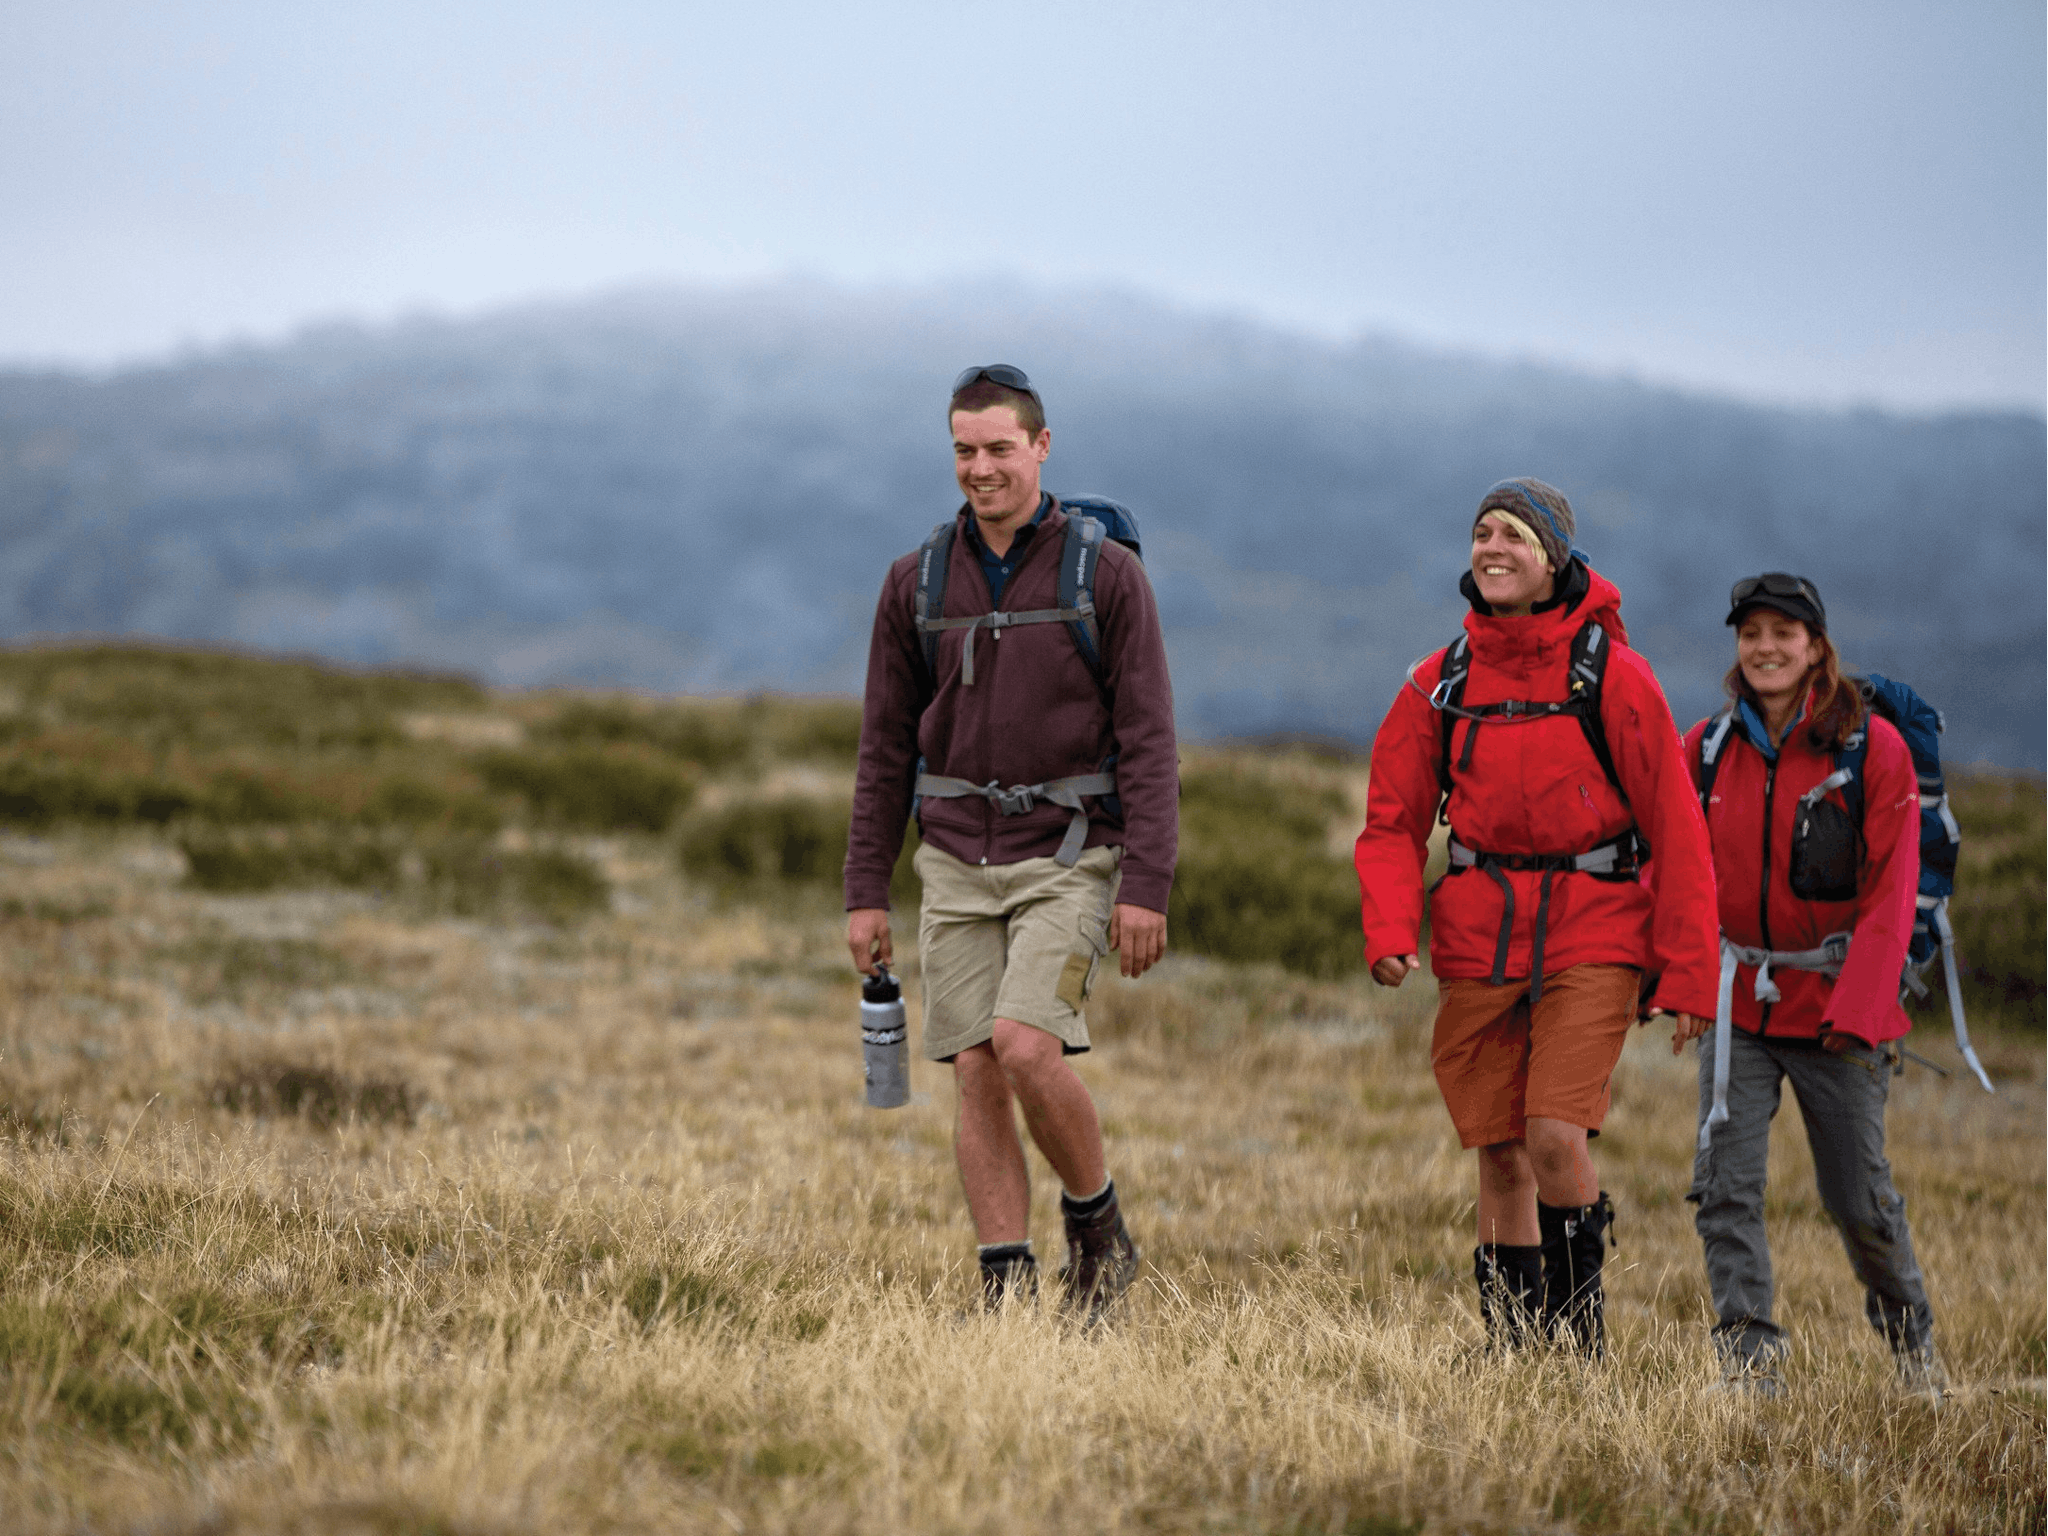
1550 748
1795 872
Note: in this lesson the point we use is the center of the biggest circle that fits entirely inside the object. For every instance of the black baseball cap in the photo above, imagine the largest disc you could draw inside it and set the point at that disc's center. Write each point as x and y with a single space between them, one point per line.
1793 596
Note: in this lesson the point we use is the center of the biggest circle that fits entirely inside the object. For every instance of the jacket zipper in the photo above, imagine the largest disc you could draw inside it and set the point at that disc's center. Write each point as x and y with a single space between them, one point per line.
1763 900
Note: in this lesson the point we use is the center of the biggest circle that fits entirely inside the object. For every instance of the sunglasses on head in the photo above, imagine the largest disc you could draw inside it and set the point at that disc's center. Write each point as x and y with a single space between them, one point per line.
1772 584
996 373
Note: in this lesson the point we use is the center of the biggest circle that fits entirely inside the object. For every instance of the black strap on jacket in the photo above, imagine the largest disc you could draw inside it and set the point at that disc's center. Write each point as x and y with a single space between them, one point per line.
1620 858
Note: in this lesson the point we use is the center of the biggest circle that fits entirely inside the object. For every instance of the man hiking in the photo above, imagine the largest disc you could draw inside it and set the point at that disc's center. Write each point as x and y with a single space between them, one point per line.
1550 749
1034 742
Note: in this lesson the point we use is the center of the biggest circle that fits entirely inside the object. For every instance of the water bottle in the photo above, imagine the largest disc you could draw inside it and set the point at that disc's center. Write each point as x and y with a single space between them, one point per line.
884 1040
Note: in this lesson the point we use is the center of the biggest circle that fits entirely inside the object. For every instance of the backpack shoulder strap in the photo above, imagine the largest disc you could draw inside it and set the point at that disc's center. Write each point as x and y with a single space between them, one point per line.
1712 740
1849 758
1079 558
1587 674
1450 690
933 561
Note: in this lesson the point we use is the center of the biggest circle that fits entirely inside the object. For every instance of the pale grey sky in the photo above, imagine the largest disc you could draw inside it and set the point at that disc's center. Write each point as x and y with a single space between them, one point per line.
1795 201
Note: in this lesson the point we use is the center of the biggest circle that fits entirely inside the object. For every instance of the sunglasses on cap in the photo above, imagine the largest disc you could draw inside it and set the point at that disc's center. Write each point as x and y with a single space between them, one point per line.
996 373
1772 584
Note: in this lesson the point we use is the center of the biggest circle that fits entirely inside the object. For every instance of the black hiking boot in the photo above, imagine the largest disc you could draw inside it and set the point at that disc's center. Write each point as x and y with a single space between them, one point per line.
1575 1239
1510 1280
1102 1261
1009 1273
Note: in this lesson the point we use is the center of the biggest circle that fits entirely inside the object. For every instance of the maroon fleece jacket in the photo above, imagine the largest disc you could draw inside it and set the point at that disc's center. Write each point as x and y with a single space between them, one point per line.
1034 712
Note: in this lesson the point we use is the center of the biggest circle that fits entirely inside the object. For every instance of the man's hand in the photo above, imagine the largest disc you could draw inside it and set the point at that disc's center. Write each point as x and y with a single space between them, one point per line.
1394 969
1836 1041
1138 935
867 938
1688 1026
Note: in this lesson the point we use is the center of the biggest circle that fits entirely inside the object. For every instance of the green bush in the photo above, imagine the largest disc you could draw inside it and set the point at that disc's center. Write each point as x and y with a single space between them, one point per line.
406 800
212 699
601 789
474 877
2001 892
709 734
752 842
223 859
1255 880
37 792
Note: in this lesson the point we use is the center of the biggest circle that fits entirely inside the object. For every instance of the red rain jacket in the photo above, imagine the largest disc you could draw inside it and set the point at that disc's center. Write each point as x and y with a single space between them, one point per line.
1535 787
1864 1000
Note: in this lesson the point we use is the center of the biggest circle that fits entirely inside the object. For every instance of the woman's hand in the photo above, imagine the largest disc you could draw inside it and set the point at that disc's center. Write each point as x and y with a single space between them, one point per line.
1394 969
1689 1026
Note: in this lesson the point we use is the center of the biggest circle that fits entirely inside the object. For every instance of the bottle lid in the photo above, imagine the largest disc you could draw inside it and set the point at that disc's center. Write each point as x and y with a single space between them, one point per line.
881 987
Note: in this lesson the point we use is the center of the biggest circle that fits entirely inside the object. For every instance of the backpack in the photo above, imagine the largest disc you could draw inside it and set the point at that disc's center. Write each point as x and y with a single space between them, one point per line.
1587 670
1090 519
1920 723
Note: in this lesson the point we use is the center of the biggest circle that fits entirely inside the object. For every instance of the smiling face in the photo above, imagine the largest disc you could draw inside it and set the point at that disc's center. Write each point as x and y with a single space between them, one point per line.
1777 654
1510 575
996 462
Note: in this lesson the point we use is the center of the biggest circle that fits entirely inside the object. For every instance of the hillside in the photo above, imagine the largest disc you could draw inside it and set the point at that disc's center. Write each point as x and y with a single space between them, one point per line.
692 492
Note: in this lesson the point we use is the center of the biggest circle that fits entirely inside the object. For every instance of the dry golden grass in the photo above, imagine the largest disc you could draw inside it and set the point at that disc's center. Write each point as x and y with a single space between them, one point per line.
319 1219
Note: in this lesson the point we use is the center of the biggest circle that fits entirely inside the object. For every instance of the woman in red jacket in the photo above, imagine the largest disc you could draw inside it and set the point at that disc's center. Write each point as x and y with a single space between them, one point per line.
1816 914
1550 749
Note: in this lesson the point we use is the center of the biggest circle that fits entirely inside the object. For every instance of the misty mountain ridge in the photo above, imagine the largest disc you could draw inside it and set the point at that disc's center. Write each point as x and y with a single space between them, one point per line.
693 492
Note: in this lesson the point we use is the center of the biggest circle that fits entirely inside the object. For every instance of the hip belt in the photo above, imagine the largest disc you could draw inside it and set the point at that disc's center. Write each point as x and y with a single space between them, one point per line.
1619 859
1827 959
1020 798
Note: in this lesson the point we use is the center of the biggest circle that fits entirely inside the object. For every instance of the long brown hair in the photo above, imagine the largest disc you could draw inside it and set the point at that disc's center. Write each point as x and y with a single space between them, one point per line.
1834 706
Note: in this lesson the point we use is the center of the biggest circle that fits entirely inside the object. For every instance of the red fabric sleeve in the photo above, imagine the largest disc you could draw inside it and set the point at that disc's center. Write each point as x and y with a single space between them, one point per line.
1650 761
1865 999
1401 803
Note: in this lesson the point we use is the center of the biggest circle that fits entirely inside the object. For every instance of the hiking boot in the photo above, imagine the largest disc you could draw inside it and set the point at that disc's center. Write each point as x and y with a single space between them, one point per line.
1009 1275
1920 1374
1102 1261
1575 1240
1510 1280
1755 1376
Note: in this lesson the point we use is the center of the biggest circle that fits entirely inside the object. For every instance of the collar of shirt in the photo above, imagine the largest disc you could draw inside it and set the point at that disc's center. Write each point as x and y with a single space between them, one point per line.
1759 734
998 567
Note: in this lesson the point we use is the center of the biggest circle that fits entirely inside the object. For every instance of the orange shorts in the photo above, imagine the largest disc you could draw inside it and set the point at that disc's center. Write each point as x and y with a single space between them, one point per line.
1497 1062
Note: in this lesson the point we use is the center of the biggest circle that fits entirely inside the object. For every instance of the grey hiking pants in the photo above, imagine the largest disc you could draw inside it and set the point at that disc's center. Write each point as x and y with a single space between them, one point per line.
1841 1099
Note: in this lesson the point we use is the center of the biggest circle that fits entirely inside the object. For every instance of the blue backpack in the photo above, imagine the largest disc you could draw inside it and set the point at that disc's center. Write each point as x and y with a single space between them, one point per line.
1920 723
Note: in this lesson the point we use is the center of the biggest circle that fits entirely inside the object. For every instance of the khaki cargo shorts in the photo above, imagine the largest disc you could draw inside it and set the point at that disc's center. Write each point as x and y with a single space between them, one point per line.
1011 941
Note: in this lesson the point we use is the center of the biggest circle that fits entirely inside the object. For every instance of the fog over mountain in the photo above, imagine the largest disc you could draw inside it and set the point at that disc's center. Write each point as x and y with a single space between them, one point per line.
687 491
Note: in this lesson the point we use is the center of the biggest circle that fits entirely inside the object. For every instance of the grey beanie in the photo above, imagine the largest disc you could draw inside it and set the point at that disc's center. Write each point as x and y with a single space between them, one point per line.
1542 508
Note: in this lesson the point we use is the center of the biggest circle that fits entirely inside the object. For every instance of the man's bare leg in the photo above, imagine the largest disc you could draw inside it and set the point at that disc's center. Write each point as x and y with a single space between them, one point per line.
985 1144
1056 1104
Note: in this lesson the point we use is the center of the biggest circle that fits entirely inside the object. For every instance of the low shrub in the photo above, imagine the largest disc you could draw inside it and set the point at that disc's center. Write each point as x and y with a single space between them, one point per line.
474 877
265 859
2001 902
1255 880
753 842
710 735
599 789
37 792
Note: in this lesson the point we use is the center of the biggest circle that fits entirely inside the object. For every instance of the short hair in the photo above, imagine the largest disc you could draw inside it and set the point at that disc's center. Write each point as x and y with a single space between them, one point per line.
987 394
